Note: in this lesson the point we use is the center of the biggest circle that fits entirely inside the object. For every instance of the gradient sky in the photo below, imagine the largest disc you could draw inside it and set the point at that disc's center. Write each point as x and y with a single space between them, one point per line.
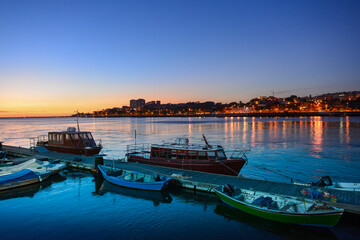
59 56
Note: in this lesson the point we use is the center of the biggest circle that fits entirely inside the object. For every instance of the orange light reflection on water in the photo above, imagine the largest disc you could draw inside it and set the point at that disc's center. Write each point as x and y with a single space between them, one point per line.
317 135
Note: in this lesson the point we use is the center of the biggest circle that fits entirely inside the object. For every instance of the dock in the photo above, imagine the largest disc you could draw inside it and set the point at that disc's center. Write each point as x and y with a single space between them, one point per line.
198 181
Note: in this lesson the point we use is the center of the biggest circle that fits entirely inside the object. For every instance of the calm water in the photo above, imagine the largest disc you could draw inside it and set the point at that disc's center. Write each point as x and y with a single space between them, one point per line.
79 206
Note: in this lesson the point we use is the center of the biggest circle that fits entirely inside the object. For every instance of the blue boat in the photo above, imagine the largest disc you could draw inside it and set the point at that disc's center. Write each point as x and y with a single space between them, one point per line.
134 180
18 179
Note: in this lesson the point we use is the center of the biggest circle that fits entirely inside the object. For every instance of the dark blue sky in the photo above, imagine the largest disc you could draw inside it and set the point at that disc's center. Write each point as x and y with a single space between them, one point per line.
176 51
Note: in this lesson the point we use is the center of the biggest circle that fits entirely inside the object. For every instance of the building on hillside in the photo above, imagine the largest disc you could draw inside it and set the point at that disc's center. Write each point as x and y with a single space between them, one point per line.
137 104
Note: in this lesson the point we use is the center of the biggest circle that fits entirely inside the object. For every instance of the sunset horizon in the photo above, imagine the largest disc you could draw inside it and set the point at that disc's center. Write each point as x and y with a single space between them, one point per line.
59 57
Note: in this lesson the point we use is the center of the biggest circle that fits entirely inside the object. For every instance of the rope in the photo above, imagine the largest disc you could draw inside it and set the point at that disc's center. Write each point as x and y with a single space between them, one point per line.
264 168
229 168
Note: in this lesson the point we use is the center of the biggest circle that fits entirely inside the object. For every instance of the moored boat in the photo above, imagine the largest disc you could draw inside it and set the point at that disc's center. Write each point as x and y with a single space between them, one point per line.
280 208
181 154
42 168
345 186
131 179
29 172
17 179
70 141
326 182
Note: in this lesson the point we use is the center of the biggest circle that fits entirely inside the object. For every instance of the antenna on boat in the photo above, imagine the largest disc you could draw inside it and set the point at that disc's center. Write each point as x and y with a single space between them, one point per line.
77 119
206 142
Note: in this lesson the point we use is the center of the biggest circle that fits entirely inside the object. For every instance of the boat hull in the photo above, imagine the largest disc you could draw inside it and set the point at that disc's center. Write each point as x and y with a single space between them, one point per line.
226 167
77 151
18 179
156 186
326 219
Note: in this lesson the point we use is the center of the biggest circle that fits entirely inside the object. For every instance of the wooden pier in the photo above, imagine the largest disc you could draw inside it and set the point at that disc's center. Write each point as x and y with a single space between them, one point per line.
200 181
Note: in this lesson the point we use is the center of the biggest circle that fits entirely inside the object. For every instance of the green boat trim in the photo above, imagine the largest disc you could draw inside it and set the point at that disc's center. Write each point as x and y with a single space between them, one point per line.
320 218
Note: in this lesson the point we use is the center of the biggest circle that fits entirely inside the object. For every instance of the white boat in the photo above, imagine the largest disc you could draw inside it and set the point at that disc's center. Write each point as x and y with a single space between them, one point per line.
326 182
344 186
42 168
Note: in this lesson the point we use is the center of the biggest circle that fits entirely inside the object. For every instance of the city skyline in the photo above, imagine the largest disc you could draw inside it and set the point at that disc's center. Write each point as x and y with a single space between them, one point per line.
61 56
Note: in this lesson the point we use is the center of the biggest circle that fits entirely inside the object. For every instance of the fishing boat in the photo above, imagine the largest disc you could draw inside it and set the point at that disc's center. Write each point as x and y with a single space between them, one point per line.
280 208
181 154
131 179
69 141
29 172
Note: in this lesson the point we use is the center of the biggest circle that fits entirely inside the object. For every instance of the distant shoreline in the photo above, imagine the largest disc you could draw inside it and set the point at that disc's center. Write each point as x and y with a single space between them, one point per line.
269 115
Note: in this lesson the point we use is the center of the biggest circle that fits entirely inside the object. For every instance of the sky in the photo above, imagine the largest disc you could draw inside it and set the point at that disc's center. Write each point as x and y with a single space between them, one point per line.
57 57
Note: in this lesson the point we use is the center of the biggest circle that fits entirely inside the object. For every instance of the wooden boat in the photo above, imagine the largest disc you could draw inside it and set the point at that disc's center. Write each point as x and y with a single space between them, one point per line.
17 179
132 179
181 154
42 168
70 141
280 208
29 172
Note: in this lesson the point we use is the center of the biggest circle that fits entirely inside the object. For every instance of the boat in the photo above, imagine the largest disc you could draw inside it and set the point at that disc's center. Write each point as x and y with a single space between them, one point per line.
29 172
42 168
131 179
18 179
69 141
196 157
326 182
345 186
279 208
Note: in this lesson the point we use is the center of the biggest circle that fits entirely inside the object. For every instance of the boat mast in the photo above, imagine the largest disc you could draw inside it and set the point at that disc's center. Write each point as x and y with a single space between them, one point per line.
206 142
77 120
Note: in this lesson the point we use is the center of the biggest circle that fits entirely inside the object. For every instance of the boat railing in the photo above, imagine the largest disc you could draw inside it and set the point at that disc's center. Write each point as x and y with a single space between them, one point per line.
239 153
33 143
35 140
138 148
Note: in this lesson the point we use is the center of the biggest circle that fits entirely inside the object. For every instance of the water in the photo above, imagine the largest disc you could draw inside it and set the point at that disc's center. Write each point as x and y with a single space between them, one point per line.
79 206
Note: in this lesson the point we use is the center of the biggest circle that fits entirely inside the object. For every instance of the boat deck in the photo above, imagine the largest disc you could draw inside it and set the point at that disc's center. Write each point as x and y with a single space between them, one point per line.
349 200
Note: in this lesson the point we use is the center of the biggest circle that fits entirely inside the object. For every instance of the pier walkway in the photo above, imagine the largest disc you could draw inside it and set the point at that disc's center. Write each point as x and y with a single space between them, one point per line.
201 181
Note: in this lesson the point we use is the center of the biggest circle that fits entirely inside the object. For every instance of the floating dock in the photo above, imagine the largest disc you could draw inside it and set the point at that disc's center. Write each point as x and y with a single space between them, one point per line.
198 181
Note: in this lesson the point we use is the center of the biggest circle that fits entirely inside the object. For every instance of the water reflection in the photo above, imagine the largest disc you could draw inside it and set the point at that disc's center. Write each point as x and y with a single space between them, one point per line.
156 196
317 136
30 190
347 136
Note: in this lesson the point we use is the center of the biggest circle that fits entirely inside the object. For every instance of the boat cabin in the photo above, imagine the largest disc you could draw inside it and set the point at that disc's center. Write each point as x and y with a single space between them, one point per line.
70 141
68 138
181 154
189 152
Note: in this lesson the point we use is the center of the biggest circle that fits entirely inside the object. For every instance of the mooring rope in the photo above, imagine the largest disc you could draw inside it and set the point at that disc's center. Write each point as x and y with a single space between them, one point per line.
229 168
276 172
